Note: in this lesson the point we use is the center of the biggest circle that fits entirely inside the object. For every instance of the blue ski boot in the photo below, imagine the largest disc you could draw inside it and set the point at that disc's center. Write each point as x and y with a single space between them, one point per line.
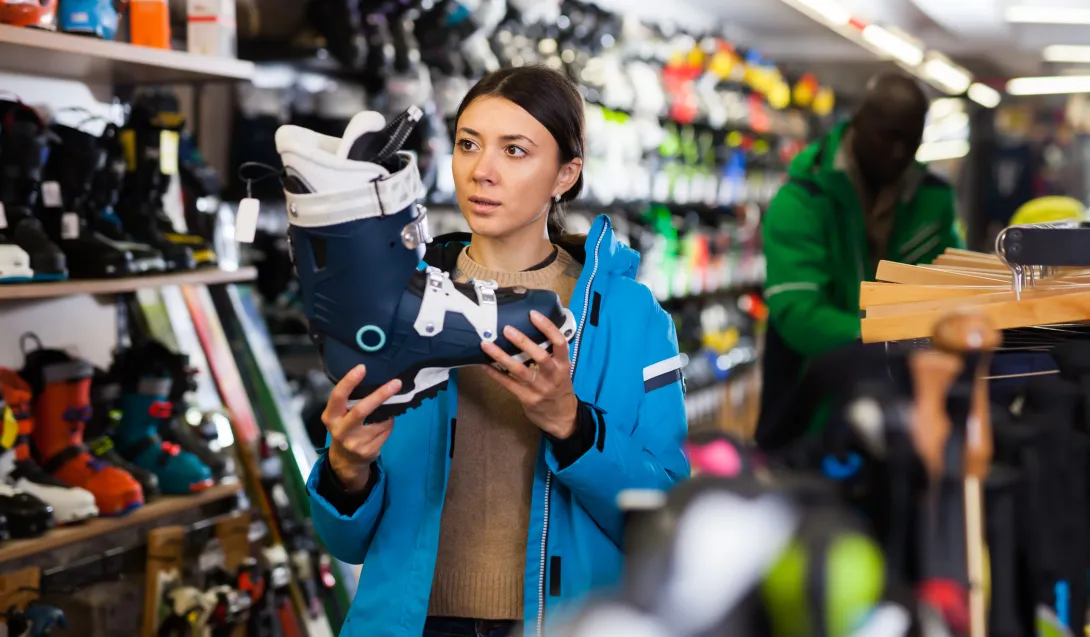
144 407
358 238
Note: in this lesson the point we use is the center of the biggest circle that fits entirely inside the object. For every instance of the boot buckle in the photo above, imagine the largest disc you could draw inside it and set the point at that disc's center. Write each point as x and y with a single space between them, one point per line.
487 316
433 305
416 232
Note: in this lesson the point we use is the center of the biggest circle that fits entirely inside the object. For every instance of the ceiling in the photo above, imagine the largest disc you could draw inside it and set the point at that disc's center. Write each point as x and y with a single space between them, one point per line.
972 32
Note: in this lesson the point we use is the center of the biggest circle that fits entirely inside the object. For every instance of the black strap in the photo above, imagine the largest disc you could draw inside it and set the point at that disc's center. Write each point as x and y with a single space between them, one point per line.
56 462
138 448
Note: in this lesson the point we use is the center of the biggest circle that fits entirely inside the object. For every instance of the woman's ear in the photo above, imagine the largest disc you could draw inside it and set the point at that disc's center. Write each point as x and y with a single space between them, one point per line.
569 174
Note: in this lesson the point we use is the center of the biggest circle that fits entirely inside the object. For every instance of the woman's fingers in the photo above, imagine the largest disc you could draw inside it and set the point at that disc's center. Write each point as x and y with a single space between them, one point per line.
338 398
514 368
354 418
553 333
536 352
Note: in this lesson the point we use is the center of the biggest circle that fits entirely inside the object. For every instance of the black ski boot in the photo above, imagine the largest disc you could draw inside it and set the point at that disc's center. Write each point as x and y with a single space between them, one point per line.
70 170
105 191
105 417
24 143
151 137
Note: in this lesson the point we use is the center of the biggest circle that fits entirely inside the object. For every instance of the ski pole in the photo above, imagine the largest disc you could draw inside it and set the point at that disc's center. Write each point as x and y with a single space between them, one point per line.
973 337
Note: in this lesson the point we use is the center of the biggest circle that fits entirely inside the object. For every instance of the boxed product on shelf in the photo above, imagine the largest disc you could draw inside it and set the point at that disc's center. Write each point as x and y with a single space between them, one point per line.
211 28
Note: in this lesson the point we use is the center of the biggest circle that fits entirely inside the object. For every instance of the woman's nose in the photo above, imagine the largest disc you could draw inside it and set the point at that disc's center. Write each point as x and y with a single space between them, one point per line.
485 169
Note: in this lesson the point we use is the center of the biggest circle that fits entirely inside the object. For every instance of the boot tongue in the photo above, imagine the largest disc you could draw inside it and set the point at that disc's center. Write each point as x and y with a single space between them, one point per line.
361 140
379 144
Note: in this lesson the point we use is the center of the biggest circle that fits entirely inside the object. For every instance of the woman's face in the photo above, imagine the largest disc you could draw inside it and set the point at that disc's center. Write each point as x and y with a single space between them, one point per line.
506 168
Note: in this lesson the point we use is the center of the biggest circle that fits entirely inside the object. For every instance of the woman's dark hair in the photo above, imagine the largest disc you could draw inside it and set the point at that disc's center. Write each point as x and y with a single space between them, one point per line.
552 100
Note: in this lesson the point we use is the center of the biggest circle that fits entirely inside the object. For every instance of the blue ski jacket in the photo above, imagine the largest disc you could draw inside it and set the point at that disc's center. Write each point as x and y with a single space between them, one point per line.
626 365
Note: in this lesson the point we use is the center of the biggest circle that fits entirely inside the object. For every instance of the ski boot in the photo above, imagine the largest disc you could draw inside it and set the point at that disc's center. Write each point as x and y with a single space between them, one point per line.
61 386
151 138
352 209
146 387
70 504
71 168
196 440
105 418
14 261
23 149
40 14
105 191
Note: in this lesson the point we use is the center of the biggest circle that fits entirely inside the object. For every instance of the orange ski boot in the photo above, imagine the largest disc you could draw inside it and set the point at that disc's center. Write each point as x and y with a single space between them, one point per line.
62 406
70 504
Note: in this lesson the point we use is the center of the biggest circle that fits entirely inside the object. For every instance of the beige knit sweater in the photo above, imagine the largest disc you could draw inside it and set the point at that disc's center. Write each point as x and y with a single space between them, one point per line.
486 516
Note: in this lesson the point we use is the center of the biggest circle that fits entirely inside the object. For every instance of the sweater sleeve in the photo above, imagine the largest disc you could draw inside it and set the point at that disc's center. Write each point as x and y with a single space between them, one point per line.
798 276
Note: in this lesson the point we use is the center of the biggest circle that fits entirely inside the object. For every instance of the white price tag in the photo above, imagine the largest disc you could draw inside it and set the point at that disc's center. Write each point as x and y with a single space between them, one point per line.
69 226
3 217
246 220
51 194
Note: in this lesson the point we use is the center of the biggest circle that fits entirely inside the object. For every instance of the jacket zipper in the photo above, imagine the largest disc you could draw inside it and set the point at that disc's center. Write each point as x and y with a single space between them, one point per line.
549 473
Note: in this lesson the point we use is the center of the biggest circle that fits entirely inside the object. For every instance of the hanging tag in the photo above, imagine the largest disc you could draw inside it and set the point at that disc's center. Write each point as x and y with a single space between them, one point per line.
3 217
168 152
246 220
51 194
69 226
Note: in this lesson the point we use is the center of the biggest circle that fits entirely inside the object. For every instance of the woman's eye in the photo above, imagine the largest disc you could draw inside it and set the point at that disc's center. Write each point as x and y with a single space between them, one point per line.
466 145
515 151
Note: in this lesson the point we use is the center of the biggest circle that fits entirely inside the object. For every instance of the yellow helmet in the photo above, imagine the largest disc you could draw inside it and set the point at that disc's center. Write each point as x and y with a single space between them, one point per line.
1046 209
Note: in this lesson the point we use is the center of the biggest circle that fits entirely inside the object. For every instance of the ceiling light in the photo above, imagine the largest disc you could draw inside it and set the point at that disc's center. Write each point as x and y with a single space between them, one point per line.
1057 85
948 75
829 10
896 46
984 95
1066 53
940 151
1048 15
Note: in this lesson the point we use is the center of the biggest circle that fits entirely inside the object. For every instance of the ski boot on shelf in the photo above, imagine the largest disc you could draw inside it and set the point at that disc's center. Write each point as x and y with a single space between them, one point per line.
105 418
24 145
197 440
70 171
61 386
39 14
150 139
352 209
14 261
70 504
105 191
146 385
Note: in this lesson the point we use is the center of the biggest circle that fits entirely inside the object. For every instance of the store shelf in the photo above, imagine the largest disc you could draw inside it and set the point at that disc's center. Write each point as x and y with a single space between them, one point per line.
160 508
118 286
60 55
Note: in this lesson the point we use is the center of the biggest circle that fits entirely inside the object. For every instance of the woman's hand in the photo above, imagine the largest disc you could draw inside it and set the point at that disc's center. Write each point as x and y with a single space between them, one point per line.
544 388
355 446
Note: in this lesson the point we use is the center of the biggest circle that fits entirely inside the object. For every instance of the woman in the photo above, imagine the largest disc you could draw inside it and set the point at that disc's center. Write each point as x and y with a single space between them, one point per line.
510 515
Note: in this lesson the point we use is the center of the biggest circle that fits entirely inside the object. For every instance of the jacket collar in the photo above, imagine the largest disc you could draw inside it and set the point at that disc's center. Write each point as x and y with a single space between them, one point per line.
614 257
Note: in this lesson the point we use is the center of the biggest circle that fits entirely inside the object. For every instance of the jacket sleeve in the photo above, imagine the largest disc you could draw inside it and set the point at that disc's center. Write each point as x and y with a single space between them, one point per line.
651 456
798 276
953 237
347 535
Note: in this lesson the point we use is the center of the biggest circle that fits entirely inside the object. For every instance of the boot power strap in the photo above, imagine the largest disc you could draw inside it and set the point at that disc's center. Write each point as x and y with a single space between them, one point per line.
441 296
378 198
58 461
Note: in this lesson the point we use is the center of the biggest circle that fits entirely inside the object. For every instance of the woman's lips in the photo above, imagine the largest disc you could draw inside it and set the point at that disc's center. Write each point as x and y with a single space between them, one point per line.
482 205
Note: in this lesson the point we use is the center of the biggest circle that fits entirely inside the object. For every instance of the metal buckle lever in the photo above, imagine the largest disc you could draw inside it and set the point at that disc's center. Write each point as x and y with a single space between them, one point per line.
433 306
489 309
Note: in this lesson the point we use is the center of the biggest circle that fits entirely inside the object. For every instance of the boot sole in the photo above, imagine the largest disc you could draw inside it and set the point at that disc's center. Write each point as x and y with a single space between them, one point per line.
426 383
75 516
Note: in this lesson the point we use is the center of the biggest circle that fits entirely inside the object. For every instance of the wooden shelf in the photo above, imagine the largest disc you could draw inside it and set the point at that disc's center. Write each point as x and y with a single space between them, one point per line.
61 55
159 508
118 286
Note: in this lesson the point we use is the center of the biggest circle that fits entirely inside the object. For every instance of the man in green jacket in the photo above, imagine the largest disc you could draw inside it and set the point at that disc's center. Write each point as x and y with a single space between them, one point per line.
851 199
